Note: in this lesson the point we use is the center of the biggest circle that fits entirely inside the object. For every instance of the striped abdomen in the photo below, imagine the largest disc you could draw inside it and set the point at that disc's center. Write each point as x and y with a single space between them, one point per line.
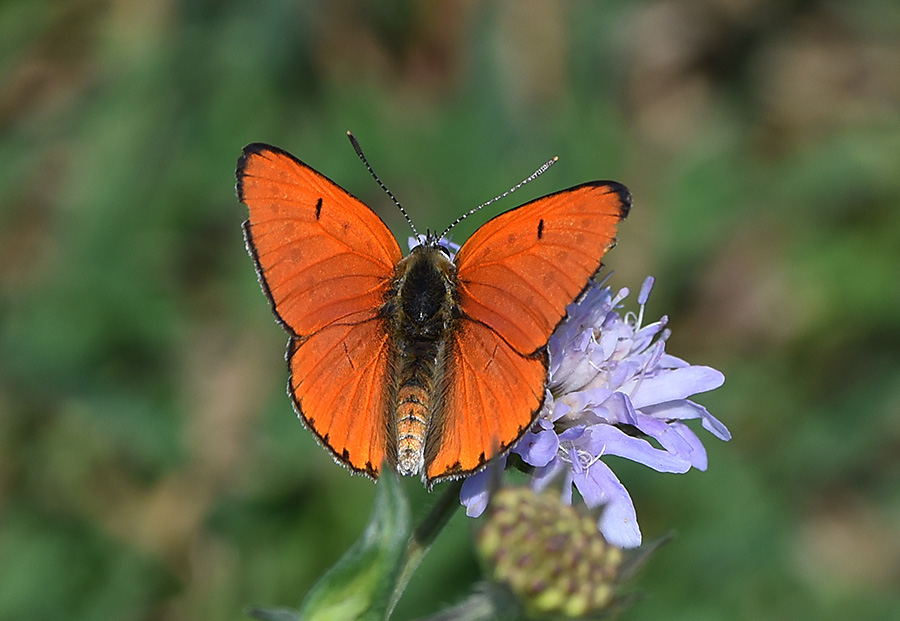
421 311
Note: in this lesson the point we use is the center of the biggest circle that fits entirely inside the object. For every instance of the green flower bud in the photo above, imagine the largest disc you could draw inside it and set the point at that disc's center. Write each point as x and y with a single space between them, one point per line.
549 554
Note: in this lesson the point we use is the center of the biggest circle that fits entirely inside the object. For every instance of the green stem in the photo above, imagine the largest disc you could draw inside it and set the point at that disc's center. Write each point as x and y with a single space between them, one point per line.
422 538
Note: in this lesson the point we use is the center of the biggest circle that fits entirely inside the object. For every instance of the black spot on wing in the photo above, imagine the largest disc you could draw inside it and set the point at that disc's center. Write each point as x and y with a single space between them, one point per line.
541 228
318 208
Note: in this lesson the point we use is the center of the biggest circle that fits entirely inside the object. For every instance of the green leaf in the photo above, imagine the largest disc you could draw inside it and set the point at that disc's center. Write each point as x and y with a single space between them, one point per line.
359 586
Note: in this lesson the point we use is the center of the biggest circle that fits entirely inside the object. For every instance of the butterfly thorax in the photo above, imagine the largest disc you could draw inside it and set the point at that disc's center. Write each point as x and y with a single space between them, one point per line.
421 310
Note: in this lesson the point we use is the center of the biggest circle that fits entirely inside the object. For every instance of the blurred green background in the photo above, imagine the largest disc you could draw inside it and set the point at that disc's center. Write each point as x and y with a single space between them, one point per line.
150 464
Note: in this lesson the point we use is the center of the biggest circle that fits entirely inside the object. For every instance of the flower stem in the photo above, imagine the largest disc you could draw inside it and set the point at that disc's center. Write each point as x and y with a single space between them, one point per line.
423 536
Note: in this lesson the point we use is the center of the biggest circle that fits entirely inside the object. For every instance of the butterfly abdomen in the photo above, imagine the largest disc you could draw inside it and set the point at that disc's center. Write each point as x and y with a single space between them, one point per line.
421 313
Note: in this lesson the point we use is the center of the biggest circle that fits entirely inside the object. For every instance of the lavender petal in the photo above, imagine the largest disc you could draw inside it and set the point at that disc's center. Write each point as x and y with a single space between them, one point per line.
697 453
476 489
685 410
539 448
672 385
610 440
618 521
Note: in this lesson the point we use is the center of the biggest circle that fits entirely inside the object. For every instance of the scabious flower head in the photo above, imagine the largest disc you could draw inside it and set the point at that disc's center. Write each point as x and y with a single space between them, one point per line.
612 390
549 554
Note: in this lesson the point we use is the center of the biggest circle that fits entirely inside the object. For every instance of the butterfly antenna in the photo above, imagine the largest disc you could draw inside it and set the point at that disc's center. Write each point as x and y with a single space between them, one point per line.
359 152
531 177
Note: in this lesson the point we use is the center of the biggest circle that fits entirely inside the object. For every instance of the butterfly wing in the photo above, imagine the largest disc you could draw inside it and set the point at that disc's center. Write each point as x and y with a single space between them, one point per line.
325 261
519 271
338 385
492 396
516 276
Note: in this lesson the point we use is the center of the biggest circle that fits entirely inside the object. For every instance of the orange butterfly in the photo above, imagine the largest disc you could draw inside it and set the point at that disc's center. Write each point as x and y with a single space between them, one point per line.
431 366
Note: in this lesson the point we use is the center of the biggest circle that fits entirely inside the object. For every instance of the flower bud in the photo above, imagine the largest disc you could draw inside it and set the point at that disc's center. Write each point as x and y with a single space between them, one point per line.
549 554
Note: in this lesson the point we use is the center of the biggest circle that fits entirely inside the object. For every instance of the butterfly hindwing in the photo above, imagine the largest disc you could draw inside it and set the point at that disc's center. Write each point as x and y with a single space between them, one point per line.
338 384
490 400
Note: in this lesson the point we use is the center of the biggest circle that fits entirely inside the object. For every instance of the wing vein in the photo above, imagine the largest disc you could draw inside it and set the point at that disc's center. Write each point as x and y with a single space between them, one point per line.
295 240
536 290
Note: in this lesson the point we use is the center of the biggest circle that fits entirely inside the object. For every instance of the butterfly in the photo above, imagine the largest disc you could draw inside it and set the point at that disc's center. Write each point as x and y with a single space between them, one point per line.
427 365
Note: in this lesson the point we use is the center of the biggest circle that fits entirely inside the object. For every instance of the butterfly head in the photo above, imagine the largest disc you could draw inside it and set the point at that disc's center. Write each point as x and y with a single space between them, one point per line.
436 242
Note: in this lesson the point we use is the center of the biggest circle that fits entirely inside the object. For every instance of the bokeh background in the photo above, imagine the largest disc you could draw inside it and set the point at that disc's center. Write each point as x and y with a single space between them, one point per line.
150 464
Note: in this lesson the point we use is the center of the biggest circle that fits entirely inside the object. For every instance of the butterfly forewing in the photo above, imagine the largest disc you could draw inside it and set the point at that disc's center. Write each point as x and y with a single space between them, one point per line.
322 255
520 270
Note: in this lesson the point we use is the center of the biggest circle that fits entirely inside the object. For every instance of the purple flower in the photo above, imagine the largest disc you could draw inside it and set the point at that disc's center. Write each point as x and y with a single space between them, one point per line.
612 390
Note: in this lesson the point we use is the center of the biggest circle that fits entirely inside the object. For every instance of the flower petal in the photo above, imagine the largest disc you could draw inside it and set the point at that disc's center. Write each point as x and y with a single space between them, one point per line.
672 385
610 440
600 488
683 409
620 410
698 456
668 361
476 489
663 432
538 449
584 399
572 433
